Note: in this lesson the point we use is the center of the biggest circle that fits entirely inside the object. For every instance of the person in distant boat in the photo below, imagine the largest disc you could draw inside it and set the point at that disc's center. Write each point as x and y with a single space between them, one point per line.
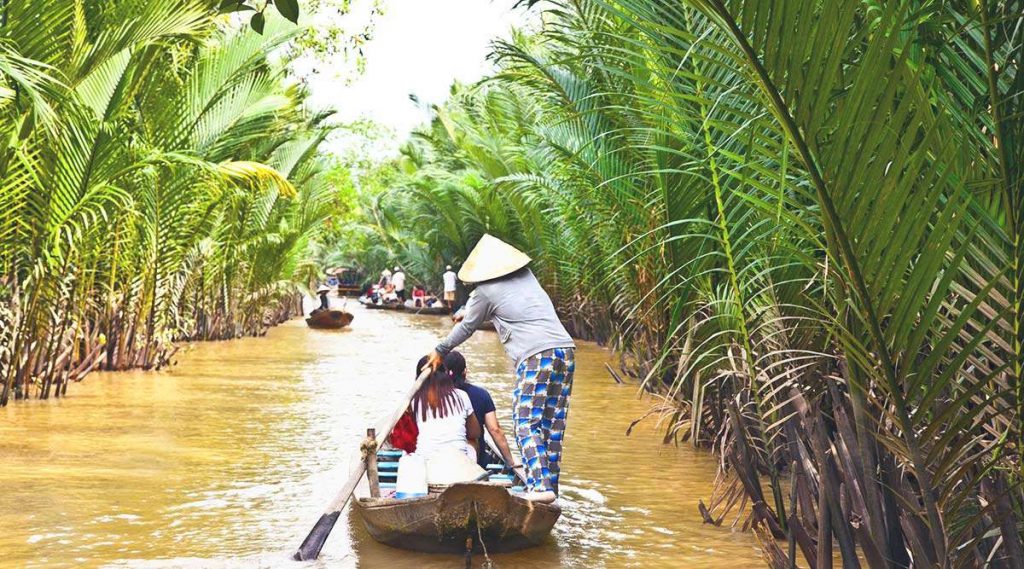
385 278
508 294
419 296
446 426
388 296
483 408
325 303
449 286
398 280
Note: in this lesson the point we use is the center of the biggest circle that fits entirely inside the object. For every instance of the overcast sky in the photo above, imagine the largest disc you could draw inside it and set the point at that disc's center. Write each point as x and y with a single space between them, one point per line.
419 47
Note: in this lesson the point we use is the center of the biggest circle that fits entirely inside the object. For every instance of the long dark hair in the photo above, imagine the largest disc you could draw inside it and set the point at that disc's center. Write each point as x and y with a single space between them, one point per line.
436 394
456 365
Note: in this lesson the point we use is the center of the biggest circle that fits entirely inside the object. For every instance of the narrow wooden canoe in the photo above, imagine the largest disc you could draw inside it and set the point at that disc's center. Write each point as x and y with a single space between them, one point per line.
387 306
429 310
442 522
329 319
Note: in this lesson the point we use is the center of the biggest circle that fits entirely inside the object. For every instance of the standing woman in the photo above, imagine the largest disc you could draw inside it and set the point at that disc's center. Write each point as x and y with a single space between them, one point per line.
508 294
448 279
398 280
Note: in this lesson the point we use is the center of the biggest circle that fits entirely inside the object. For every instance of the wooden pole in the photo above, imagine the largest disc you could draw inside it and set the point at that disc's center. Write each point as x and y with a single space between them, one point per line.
614 375
371 463
314 542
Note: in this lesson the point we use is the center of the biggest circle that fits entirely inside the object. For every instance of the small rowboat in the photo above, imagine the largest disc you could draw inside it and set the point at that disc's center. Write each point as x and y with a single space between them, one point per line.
452 519
329 319
385 306
429 310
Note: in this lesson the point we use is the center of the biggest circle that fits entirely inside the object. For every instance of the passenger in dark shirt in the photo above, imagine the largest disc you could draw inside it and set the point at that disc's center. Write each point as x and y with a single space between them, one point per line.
483 408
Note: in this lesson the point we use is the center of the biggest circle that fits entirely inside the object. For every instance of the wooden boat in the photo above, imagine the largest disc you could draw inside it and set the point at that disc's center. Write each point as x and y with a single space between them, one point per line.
329 319
429 310
385 306
443 522
450 518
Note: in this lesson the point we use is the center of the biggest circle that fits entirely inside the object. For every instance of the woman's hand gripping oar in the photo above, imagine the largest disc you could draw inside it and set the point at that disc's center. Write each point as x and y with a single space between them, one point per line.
314 542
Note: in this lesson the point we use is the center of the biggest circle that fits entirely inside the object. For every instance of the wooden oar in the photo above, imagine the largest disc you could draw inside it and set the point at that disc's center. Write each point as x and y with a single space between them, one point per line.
314 542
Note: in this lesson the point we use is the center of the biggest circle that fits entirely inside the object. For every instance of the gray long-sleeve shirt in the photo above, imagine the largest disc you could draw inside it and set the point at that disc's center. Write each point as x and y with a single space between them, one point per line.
522 314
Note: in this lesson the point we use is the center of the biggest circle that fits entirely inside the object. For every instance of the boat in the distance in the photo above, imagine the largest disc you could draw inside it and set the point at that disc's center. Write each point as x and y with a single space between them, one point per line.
436 310
329 319
450 518
384 306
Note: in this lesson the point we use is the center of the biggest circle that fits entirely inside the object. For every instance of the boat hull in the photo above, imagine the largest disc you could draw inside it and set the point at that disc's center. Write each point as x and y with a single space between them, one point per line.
372 306
329 319
429 310
442 523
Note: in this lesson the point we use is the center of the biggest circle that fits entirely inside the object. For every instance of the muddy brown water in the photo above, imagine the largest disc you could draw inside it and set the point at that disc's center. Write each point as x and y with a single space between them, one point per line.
226 460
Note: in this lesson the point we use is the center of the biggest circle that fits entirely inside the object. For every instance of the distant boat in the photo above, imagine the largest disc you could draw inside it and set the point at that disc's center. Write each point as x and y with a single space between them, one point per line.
385 306
346 280
437 310
329 319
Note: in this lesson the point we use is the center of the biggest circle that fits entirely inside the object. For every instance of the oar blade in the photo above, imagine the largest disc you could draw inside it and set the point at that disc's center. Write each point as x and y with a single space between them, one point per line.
314 542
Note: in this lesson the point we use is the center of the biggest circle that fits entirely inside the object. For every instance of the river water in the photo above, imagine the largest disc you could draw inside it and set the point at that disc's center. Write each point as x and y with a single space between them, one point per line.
227 459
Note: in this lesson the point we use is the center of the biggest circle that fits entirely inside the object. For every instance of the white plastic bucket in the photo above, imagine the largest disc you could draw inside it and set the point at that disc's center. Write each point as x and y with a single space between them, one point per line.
412 477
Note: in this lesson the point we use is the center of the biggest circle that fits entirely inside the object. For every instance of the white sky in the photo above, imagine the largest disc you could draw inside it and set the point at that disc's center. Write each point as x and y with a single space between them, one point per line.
418 47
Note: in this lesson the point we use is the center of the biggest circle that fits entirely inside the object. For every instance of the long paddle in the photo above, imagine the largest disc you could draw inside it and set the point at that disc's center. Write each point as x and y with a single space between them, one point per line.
314 542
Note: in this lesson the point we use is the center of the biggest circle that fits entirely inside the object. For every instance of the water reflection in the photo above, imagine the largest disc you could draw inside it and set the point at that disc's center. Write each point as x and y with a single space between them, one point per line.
226 459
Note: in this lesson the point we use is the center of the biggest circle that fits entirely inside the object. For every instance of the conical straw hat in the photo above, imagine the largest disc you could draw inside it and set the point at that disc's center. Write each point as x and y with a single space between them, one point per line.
490 259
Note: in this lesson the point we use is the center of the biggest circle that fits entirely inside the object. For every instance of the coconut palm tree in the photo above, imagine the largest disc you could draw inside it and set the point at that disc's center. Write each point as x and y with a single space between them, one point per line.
159 182
799 225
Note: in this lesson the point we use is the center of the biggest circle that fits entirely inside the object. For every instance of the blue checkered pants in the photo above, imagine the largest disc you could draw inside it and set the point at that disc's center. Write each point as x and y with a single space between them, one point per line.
540 404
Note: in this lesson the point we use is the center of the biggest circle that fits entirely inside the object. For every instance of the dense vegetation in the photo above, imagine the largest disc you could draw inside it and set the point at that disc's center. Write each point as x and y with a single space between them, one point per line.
799 222
159 181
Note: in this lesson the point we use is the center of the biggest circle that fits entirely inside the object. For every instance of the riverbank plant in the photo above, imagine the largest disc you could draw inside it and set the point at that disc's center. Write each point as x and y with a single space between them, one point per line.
159 182
799 223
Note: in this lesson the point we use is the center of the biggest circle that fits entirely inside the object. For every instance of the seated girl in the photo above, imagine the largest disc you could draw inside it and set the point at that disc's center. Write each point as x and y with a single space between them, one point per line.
418 295
446 424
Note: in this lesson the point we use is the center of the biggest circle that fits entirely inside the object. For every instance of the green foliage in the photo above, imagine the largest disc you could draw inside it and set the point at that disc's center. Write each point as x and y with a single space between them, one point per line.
287 8
159 181
799 223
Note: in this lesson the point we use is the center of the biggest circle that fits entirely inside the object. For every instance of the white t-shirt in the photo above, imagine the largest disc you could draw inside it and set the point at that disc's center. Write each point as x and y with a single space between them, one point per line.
398 279
449 281
444 432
